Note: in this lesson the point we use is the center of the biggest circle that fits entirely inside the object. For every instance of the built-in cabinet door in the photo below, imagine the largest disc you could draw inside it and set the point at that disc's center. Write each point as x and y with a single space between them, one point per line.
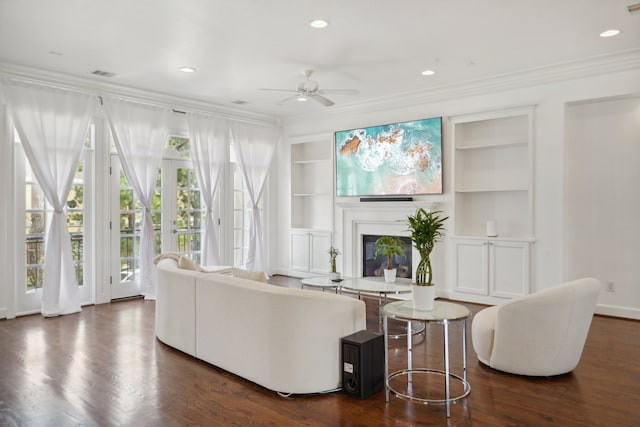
492 267
471 263
319 256
509 269
299 251
309 251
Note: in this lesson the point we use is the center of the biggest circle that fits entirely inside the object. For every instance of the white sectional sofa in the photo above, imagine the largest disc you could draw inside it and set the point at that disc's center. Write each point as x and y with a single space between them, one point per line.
287 340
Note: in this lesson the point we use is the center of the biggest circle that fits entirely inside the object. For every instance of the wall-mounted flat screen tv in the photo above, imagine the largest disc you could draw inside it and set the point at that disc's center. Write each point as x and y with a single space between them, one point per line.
397 159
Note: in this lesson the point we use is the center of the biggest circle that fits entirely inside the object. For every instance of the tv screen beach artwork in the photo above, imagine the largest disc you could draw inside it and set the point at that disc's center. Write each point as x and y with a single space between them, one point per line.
394 159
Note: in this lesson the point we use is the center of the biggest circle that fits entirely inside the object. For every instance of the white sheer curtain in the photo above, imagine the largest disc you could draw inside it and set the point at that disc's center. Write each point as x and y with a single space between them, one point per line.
52 125
140 132
210 152
254 146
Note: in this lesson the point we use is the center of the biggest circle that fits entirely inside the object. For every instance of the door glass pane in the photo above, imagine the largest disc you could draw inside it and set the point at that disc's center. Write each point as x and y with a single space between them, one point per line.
38 211
75 222
242 211
189 213
35 228
131 216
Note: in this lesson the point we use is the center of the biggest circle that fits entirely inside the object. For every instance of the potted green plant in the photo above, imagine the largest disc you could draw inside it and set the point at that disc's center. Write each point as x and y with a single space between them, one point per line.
426 229
333 274
389 246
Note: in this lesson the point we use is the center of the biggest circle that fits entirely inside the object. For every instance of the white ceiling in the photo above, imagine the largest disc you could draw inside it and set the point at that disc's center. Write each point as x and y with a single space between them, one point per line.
378 47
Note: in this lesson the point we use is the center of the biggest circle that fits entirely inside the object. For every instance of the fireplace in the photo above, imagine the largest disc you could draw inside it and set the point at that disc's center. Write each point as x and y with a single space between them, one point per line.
374 266
356 219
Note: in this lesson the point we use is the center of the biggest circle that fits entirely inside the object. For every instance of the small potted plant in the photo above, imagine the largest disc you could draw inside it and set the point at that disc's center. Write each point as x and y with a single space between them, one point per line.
333 274
389 246
426 228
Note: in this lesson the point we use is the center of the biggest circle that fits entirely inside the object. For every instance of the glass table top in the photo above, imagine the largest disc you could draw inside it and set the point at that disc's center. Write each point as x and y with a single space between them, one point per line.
377 285
442 311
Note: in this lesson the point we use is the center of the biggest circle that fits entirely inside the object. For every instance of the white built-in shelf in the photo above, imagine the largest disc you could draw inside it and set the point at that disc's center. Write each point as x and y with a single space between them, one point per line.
486 145
493 179
490 189
495 239
313 161
310 194
312 182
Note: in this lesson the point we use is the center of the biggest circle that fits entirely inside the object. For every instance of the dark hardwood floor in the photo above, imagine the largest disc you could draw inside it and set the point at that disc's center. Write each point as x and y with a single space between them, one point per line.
104 367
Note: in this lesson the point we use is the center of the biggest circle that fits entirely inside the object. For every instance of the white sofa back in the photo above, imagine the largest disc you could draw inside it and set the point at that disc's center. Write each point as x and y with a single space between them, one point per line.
176 306
287 340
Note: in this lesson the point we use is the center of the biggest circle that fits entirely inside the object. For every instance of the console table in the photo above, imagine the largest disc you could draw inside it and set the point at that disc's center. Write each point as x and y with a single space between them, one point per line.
443 313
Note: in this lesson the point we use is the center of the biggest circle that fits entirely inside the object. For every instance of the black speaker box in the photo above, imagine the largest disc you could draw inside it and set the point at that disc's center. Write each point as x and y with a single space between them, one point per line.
362 364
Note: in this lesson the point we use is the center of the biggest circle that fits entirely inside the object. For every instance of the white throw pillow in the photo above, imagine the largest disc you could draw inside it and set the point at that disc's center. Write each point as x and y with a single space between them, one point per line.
186 264
250 274
167 255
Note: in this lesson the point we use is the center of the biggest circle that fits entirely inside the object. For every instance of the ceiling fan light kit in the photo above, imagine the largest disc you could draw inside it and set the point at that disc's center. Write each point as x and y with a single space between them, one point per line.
310 89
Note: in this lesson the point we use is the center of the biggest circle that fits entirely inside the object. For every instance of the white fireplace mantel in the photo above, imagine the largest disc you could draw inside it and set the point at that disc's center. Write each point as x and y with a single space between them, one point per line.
379 218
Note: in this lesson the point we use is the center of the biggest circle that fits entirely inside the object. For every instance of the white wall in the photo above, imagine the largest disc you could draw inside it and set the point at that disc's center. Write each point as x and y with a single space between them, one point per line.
603 198
549 255
7 292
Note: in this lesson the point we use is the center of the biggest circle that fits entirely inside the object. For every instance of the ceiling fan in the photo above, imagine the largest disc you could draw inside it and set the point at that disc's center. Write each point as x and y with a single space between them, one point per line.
309 89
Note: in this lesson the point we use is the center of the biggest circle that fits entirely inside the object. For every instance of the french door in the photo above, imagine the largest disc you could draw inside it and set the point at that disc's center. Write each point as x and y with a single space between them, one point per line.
177 212
31 230
183 210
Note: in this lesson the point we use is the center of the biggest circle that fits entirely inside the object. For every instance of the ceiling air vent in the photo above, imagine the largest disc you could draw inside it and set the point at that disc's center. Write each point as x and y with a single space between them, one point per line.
102 73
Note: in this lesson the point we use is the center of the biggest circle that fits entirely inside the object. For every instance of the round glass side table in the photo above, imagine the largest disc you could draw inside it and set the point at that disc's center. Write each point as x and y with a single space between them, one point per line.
443 313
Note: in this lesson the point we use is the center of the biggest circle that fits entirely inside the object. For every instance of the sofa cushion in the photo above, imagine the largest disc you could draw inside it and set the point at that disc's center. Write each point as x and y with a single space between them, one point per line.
186 264
167 255
259 276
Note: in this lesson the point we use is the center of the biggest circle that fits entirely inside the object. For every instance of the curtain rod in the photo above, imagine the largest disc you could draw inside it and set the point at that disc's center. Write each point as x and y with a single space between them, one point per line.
181 109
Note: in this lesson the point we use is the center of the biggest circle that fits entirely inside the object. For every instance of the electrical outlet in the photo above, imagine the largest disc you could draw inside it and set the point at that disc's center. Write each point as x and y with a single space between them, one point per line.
610 287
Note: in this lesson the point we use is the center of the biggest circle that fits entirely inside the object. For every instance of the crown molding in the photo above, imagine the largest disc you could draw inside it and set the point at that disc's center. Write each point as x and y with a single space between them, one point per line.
563 71
99 88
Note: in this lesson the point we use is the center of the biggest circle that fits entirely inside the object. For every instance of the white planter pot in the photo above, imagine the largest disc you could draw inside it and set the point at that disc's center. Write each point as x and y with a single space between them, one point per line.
334 277
390 275
423 297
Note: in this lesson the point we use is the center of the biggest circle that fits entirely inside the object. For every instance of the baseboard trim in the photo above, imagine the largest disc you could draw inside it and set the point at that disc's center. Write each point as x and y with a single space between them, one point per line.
617 311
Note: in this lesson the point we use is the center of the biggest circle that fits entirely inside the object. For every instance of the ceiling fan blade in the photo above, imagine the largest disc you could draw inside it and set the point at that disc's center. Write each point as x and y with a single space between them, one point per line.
280 90
340 91
321 99
288 98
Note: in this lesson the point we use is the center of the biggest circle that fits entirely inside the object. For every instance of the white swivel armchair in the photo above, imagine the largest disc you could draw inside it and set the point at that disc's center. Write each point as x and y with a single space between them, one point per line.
541 334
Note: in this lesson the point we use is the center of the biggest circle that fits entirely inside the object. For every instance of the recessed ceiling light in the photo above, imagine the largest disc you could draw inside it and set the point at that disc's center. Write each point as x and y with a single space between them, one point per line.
187 69
609 33
318 23
428 73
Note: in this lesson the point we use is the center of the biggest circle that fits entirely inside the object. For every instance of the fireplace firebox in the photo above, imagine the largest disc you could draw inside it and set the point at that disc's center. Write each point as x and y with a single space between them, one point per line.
374 266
